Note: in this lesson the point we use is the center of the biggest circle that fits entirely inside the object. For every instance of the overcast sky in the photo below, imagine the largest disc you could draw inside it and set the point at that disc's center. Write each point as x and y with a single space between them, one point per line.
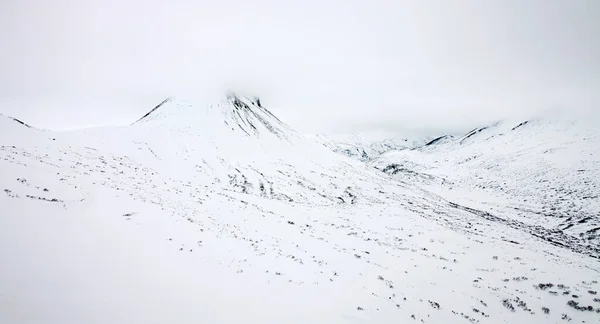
321 65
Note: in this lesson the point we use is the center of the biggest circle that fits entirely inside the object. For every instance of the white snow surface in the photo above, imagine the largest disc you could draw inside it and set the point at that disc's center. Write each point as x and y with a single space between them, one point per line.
366 145
541 173
222 214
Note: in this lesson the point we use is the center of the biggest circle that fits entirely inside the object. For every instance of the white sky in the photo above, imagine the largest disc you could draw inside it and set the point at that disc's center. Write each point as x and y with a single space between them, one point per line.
324 65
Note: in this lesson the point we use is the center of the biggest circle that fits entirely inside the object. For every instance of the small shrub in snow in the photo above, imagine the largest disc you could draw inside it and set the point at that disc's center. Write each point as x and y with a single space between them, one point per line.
575 305
508 305
544 286
434 304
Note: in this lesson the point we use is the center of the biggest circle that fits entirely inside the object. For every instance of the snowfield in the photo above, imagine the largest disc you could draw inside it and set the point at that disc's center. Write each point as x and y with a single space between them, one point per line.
223 214
540 175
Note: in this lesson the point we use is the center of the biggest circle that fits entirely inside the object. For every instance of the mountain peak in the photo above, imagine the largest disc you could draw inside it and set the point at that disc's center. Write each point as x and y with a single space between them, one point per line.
232 113
238 99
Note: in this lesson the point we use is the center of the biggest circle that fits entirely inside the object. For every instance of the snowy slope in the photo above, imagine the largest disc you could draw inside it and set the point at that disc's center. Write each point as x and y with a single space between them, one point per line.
222 214
541 173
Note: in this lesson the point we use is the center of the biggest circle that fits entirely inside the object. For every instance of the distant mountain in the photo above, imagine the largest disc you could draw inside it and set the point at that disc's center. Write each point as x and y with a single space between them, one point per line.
543 173
367 145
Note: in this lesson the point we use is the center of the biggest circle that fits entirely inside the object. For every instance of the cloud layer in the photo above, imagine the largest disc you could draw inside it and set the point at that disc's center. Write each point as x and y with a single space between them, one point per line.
321 65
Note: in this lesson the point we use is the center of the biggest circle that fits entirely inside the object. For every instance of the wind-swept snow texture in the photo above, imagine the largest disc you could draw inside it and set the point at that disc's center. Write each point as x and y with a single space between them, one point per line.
223 214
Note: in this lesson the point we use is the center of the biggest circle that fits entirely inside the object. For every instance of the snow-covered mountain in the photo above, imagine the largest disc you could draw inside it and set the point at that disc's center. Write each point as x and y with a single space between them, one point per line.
221 213
543 175
368 145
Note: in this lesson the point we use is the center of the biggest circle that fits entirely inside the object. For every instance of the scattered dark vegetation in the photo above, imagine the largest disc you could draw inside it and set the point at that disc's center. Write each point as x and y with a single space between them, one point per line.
508 305
544 286
546 310
434 304
10 193
522 304
575 305
44 199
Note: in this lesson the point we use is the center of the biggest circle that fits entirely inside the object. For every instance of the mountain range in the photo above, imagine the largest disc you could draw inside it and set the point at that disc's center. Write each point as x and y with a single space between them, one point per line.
222 213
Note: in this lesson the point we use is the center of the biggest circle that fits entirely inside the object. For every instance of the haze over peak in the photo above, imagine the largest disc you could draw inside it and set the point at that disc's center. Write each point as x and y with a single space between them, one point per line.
370 65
